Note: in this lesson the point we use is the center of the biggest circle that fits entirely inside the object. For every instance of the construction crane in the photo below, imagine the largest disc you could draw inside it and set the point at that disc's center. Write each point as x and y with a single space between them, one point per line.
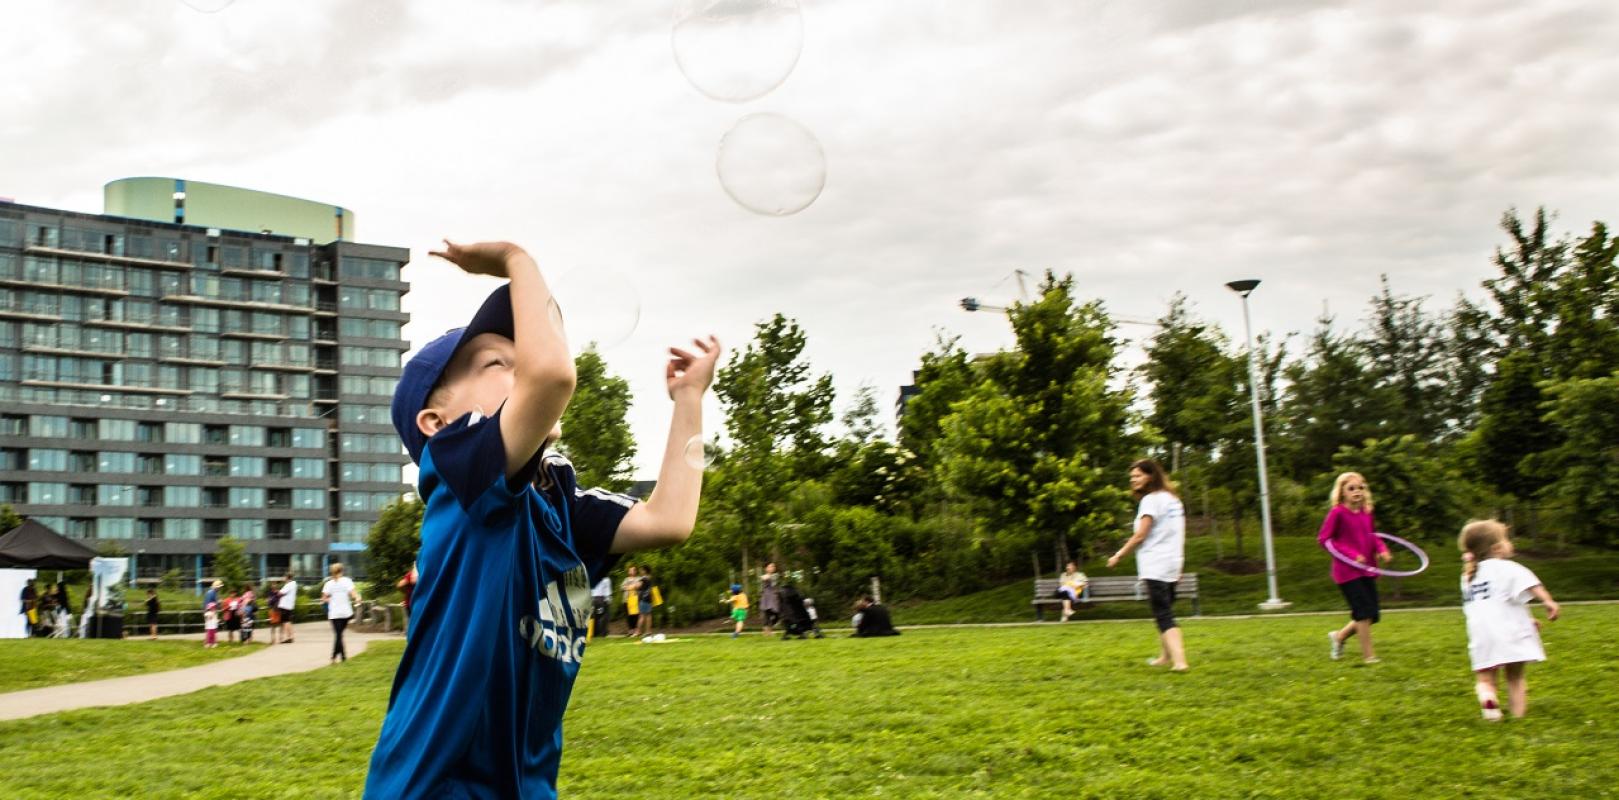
974 304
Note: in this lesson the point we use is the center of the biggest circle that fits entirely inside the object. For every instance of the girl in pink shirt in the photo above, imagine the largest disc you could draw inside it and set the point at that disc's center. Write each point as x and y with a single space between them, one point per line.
1350 529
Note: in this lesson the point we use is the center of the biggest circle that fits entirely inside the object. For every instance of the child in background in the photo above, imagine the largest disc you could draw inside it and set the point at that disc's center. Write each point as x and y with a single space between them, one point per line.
1501 633
152 607
739 608
210 626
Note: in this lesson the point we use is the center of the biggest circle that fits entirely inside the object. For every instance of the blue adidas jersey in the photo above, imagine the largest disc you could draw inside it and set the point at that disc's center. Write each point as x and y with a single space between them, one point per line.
498 622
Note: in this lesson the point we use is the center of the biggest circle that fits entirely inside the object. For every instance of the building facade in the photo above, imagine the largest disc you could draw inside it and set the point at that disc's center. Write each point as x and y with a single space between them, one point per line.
165 385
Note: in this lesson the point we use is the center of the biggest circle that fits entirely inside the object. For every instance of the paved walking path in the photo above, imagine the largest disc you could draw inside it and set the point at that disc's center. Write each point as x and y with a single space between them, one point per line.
311 649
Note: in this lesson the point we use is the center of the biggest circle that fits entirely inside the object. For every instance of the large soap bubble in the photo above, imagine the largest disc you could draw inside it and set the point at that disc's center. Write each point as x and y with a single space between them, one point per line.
771 165
737 50
597 307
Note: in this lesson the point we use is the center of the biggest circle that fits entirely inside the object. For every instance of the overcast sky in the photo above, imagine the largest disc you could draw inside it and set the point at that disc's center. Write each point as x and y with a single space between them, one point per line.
1146 147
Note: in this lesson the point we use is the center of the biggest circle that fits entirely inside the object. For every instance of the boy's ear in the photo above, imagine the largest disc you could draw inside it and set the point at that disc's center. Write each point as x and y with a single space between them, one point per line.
430 421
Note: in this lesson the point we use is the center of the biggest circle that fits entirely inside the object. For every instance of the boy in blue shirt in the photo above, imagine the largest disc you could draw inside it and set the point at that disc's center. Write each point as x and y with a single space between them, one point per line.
510 543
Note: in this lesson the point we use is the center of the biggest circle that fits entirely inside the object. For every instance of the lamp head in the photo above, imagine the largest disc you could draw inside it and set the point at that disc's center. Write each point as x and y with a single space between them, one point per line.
1243 288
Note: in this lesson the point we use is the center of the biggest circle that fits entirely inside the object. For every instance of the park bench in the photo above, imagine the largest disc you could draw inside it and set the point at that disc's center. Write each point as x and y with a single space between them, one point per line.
1102 590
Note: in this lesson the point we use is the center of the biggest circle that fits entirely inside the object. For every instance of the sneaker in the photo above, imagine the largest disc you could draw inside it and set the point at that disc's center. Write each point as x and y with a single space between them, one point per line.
1337 645
1373 660
1491 711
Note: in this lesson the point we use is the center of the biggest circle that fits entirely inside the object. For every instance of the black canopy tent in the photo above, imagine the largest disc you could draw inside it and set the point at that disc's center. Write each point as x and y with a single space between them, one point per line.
31 545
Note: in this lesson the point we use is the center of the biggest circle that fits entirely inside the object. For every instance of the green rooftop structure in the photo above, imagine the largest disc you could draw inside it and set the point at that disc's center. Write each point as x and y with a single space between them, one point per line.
212 205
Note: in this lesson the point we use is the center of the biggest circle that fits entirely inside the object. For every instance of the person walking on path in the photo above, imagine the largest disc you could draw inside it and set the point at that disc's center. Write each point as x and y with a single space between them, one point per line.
1350 529
770 597
1160 535
1501 633
289 603
272 607
340 597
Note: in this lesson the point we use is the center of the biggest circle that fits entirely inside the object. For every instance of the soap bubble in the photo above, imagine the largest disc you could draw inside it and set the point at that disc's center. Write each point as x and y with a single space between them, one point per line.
737 50
599 308
771 165
700 454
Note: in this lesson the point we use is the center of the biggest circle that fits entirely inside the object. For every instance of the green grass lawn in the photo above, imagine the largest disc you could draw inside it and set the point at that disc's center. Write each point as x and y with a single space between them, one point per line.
1302 577
30 663
1058 711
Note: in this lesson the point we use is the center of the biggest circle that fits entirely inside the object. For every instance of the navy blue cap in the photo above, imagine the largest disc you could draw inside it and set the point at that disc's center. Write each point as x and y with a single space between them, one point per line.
427 366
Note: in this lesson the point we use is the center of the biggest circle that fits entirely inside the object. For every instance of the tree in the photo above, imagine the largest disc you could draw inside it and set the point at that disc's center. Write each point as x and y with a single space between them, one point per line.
1331 402
394 541
1192 380
1040 444
861 418
595 429
231 564
1582 472
1406 366
1510 428
775 410
944 379
8 518
1465 363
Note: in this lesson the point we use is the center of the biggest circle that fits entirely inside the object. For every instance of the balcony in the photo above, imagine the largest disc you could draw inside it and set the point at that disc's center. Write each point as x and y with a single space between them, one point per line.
108 257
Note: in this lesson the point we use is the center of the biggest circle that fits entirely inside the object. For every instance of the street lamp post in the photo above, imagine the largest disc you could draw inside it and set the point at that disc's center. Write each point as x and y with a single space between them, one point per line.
1275 602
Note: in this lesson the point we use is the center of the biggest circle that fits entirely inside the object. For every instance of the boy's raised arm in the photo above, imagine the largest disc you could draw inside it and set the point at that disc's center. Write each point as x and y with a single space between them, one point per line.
543 373
668 516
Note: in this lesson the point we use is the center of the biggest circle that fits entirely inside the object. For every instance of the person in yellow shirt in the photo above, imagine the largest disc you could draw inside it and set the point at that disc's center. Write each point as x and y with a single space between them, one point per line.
739 608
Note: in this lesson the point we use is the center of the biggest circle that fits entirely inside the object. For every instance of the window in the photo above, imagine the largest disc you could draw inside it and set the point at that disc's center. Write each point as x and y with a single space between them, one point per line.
149 432
308 498
246 467
353 532
204 320
81 494
47 460
182 529
308 437
309 468
182 432
247 435
362 413
247 528
116 462
149 496
47 426
114 494
368 268
309 529
246 497
182 465
115 528
50 494
117 430
182 496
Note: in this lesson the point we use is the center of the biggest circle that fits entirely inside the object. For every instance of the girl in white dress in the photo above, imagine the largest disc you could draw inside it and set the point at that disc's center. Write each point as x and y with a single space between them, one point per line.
1501 633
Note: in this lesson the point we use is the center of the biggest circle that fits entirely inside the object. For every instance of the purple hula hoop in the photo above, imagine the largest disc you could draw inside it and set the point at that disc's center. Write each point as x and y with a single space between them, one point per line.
1392 573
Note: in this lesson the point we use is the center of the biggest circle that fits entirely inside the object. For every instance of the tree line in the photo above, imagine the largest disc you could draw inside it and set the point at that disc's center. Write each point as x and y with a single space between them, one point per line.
1504 403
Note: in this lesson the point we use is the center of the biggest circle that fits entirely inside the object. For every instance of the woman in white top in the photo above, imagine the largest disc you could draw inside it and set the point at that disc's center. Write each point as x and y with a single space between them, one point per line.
339 595
1160 535
1501 633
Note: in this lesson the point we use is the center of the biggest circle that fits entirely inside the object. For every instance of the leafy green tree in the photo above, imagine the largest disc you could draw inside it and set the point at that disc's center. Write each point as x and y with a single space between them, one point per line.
1582 472
1528 268
231 564
1466 356
861 419
595 429
775 410
394 541
1040 444
8 518
1584 340
1192 379
1331 402
944 379
1510 428
1405 349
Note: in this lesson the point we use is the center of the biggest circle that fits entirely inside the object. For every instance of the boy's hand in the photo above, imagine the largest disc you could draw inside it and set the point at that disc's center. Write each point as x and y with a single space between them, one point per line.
1551 610
480 258
693 373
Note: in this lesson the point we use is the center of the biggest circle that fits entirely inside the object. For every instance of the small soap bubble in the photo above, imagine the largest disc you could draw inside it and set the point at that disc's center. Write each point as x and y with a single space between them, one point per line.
771 165
700 454
601 307
737 50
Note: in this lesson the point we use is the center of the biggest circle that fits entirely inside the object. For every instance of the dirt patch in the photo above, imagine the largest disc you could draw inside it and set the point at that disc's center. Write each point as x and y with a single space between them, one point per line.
1238 566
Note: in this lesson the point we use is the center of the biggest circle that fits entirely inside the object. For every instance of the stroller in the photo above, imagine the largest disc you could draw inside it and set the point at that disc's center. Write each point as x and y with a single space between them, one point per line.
795 617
